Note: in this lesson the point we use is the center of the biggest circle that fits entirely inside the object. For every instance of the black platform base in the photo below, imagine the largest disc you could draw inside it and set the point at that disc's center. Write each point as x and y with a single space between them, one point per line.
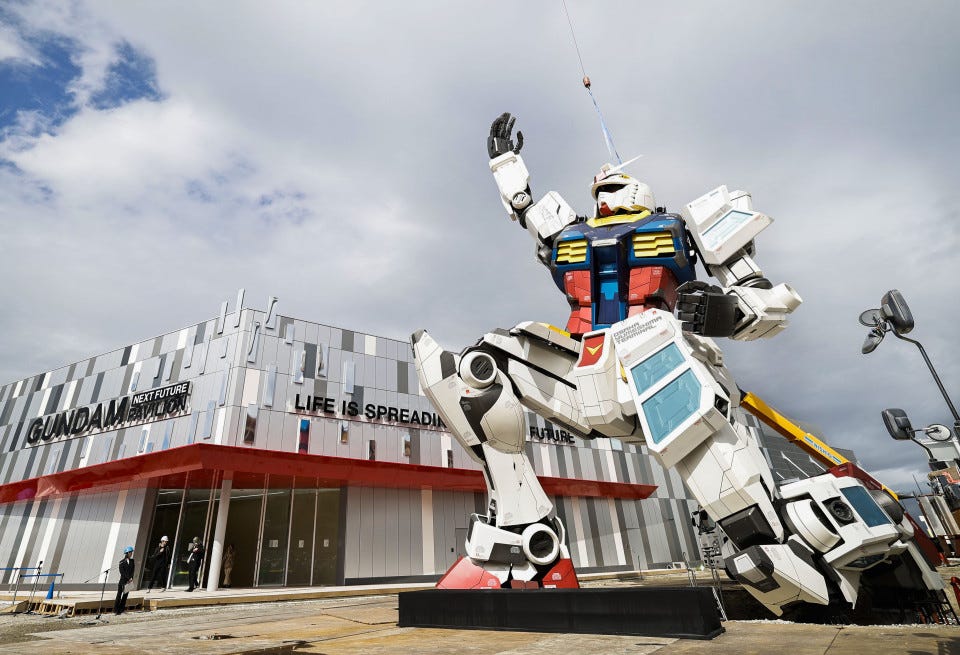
684 612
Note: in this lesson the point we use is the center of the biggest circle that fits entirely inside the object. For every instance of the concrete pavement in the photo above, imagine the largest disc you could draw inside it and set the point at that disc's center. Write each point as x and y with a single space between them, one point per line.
336 626
337 621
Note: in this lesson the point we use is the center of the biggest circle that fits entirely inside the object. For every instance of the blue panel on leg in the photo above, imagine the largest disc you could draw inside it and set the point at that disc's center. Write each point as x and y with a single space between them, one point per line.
672 405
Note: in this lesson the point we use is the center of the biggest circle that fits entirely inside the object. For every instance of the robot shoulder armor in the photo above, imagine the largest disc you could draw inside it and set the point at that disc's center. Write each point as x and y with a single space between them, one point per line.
722 222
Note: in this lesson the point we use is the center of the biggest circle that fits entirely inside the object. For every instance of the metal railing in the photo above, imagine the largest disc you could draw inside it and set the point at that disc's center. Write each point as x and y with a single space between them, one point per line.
23 572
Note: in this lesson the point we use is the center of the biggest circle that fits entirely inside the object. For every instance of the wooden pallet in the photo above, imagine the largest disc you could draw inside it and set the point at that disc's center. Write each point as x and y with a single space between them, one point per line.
69 608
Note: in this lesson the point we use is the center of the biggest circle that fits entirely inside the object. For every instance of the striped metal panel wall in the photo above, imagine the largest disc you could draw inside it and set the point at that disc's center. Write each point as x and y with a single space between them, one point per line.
77 535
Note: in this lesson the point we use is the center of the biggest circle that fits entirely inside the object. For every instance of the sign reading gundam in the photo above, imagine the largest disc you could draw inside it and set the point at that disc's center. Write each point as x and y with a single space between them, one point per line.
142 407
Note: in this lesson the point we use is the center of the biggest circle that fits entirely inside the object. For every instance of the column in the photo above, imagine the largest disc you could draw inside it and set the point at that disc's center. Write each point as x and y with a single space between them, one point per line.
219 532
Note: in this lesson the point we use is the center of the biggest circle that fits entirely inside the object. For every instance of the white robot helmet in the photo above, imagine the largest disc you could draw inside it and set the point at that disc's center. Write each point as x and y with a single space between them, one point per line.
616 192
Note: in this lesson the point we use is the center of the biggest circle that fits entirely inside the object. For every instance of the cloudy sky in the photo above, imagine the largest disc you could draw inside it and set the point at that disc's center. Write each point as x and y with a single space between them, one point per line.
155 157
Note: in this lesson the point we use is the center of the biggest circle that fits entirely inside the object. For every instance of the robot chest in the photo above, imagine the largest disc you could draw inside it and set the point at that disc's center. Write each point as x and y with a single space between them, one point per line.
607 256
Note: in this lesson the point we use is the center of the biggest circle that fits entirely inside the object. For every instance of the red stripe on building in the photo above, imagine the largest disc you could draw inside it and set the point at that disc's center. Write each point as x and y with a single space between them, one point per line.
201 461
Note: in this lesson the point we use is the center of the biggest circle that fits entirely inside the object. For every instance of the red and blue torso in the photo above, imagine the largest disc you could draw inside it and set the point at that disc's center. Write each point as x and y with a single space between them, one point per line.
617 266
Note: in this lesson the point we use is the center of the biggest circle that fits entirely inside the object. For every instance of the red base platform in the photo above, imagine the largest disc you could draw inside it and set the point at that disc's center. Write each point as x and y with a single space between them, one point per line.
464 574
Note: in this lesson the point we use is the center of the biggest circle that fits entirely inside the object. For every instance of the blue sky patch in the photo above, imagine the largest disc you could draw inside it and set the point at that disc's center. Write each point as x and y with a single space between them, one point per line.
43 88
132 76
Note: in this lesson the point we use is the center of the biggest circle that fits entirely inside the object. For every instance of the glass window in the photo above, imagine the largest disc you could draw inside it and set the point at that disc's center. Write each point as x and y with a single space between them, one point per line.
243 529
250 424
165 516
300 562
276 524
303 442
193 524
327 539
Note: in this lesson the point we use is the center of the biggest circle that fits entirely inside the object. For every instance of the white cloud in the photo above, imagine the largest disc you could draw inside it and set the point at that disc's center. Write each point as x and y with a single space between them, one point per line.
13 50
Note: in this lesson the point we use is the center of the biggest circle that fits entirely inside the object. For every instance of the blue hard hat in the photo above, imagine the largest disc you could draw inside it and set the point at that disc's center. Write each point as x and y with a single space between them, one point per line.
128 549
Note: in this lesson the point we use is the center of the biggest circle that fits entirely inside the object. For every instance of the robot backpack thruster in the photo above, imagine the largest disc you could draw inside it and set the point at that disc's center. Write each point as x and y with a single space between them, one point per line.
637 363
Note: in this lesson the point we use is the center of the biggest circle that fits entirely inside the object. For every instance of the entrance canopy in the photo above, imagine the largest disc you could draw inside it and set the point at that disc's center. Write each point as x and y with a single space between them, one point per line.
202 461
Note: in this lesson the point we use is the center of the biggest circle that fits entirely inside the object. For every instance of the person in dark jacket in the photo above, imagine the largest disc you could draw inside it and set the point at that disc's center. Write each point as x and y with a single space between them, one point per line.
127 566
161 564
194 560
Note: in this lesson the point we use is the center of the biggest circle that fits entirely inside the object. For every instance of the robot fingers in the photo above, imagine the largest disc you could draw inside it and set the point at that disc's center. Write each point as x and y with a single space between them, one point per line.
500 140
706 309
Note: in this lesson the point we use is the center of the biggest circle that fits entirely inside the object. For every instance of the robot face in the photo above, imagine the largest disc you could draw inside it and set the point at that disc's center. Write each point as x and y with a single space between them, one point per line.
619 193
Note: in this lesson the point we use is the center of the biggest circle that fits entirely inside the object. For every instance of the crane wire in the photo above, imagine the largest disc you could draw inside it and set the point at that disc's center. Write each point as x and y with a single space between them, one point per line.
607 138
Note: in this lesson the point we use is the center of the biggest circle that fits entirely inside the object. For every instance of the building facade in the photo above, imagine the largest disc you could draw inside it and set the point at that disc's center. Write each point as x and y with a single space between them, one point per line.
307 448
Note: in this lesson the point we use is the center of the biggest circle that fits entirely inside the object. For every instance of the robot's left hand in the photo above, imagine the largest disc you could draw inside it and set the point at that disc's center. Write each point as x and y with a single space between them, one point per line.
706 310
500 140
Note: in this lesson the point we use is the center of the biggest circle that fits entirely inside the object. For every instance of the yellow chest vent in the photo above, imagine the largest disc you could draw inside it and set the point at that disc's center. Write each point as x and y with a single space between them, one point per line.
572 252
653 244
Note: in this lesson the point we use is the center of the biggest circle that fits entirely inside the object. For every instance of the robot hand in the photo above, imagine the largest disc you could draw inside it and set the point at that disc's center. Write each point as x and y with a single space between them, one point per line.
500 142
705 309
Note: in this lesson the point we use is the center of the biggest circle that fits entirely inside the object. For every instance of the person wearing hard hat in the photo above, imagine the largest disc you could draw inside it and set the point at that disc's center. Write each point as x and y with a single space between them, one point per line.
161 564
125 585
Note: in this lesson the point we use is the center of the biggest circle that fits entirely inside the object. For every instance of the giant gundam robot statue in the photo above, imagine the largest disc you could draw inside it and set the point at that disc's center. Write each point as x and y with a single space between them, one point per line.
637 363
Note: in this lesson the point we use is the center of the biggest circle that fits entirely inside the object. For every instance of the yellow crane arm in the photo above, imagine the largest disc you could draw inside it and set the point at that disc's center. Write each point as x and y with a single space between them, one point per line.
795 434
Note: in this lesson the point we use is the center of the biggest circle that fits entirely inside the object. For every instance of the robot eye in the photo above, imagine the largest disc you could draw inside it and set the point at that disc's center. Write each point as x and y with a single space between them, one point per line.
612 188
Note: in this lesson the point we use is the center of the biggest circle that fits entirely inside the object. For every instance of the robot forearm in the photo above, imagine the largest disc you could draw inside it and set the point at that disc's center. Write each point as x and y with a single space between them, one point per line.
543 219
764 310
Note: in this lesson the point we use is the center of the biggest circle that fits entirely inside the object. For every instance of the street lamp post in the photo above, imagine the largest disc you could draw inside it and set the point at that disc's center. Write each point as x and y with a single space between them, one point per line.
894 316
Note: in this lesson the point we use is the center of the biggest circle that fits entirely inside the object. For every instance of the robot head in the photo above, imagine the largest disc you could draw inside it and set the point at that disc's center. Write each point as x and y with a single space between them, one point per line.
618 193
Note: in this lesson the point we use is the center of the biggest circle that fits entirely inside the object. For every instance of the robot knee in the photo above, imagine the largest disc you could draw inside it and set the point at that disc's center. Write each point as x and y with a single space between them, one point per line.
478 369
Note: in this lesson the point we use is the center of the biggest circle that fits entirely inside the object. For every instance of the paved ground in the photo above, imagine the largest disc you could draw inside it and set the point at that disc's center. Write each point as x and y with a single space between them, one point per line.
336 626
367 624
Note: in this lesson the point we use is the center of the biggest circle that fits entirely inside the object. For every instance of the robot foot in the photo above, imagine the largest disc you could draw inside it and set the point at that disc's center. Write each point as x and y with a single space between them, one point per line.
467 573
529 558
780 575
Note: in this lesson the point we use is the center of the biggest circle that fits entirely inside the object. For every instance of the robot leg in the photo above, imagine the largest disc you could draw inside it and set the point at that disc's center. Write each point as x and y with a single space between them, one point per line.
684 405
520 542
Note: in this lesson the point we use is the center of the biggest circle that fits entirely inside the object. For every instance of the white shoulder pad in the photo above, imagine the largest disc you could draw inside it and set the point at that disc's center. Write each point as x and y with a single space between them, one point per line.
722 223
512 177
549 216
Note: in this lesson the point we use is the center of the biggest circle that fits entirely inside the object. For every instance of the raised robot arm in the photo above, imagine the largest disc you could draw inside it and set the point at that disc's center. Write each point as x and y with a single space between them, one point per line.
747 307
545 218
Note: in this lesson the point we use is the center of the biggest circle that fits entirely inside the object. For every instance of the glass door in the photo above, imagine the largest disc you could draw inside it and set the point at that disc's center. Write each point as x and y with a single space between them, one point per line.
243 530
300 561
327 541
276 527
